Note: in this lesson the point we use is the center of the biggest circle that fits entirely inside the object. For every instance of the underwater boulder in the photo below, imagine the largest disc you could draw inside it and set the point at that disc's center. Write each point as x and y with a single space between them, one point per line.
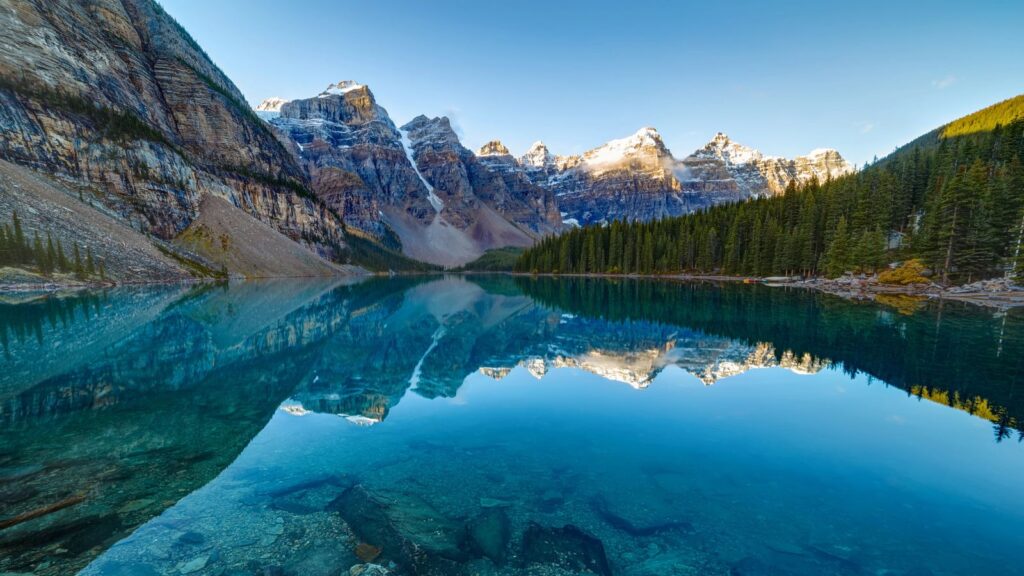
567 547
489 534
407 531
638 519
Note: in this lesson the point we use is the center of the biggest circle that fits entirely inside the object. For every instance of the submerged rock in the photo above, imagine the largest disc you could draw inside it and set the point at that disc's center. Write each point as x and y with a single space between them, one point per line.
494 503
812 562
638 520
194 565
368 570
568 547
410 532
489 534
367 552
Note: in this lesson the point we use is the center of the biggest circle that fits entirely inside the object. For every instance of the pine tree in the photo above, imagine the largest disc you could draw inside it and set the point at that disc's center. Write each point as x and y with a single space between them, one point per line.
20 248
79 268
4 247
51 253
62 259
38 253
90 266
838 257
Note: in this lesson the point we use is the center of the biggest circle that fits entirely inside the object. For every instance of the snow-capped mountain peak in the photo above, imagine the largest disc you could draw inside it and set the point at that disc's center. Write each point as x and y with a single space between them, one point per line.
820 152
644 140
722 148
272 104
538 156
342 87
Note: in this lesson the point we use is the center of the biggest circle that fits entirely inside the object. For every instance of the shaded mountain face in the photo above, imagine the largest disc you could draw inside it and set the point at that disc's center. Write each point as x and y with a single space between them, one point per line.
416 186
115 98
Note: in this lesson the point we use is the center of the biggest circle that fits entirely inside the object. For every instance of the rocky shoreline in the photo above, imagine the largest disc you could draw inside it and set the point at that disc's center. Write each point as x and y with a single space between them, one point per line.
999 293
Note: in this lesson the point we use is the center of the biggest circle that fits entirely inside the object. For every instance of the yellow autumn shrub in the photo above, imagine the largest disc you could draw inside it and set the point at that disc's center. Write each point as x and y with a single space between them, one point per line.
910 272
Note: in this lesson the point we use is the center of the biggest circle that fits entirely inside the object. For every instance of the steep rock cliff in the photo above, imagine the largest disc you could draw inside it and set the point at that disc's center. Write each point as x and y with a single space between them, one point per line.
416 187
115 98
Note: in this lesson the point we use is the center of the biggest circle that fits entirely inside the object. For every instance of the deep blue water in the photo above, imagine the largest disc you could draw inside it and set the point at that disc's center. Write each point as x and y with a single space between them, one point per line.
509 426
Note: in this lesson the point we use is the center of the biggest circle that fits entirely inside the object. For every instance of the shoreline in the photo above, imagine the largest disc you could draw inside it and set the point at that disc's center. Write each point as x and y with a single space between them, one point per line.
847 287
50 286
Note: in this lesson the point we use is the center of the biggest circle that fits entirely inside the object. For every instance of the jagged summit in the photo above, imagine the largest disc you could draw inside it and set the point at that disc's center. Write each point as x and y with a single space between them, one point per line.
740 172
730 152
645 142
647 134
827 153
538 156
493 148
272 104
342 87
436 131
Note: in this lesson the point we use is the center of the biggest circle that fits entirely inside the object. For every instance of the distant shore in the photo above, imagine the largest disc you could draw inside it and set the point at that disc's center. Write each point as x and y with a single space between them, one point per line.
997 293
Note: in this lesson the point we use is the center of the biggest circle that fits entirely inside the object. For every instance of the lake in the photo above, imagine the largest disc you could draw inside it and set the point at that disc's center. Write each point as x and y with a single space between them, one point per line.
508 425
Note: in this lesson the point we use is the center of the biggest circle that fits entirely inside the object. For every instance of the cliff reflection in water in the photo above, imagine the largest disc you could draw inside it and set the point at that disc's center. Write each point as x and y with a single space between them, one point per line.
115 405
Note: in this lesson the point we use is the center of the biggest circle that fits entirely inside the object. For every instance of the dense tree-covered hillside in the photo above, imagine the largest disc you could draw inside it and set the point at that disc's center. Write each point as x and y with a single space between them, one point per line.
954 198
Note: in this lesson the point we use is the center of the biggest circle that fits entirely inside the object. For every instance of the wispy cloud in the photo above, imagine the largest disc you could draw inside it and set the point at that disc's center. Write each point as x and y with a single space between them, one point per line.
453 113
944 83
866 127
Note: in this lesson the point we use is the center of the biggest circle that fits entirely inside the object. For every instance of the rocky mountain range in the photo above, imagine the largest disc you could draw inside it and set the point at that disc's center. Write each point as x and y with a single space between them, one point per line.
119 110
446 204
414 187
638 178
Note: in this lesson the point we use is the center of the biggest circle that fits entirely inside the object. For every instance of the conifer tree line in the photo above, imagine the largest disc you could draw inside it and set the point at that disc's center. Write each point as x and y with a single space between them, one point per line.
45 254
955 203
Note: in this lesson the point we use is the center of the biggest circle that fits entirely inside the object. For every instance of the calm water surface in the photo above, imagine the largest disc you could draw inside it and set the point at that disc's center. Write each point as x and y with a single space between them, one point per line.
508 426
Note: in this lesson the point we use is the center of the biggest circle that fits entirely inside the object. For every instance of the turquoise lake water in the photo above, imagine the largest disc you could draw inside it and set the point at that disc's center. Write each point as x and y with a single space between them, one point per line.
495 425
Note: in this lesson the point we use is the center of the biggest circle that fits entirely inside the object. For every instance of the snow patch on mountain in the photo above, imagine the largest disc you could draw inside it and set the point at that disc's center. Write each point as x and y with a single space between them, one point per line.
538 156
270 108
617 151
343 87
732 153
272 104
435 200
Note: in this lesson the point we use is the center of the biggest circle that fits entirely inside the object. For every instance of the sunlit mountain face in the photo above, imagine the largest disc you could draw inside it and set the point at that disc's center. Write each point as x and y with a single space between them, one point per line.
474 425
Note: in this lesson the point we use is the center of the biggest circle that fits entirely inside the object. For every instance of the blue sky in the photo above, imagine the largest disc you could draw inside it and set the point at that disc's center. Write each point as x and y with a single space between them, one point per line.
784 77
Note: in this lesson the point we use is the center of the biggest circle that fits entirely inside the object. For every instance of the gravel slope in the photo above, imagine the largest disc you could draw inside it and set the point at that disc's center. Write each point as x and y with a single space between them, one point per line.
230 237
45 205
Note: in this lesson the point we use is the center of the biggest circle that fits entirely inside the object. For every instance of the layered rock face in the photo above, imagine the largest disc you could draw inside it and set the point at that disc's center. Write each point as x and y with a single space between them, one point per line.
354 157
417 186
114 97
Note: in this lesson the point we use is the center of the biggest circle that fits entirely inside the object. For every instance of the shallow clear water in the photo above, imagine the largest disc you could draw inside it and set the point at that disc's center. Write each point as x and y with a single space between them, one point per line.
509 426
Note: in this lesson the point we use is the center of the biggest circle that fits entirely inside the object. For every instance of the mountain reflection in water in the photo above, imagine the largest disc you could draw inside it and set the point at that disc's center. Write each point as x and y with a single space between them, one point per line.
116 405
